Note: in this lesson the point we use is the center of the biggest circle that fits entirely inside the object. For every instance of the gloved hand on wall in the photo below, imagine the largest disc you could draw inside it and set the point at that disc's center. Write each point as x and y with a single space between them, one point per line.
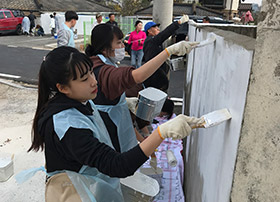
183 19
181 48
179 127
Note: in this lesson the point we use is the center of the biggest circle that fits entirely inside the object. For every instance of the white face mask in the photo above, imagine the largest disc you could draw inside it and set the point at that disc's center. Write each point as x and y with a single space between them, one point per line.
119 54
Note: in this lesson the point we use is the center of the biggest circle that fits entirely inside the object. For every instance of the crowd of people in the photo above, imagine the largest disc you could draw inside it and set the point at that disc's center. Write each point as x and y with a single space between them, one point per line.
29 28
82 120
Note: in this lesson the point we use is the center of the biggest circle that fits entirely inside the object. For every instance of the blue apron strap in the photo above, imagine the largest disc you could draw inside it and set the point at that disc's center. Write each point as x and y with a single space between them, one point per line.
27 174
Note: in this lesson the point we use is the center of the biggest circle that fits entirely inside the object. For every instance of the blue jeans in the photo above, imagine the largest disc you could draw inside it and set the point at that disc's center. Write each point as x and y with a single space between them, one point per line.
136 58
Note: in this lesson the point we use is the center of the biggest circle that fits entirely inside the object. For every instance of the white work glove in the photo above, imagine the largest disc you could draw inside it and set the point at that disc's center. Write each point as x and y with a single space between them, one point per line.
153 162
184 19
179 127
181 48
131 103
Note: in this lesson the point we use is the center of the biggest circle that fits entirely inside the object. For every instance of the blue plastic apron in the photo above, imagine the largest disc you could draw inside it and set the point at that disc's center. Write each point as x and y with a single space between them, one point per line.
120 115
90 184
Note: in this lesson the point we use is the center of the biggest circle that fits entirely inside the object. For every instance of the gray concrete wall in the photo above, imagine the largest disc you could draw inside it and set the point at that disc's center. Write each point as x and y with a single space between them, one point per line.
247 30
217 77
257 176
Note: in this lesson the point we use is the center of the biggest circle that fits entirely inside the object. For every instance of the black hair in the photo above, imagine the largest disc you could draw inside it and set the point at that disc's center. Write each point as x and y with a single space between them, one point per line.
137 22
102 36
110 14
58 67
168 107
206 18
70 15
51 16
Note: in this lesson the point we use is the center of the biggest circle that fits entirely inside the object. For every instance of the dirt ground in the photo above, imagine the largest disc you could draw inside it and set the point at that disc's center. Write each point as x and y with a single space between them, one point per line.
17 108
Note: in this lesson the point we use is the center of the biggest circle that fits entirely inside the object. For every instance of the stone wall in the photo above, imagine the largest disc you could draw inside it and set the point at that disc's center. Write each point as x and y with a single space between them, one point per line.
257 176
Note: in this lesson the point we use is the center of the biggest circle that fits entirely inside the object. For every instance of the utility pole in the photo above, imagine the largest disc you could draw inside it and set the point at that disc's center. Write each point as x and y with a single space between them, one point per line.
163 12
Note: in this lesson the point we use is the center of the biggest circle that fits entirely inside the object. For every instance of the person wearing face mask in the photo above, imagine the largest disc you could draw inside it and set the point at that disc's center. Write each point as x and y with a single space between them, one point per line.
113 81
137 38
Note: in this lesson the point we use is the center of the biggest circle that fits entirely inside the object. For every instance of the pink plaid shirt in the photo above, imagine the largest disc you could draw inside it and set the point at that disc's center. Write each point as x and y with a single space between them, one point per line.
134 39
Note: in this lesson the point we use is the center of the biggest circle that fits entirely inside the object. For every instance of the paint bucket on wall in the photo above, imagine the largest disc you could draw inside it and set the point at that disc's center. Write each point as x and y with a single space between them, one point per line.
150 103
139 187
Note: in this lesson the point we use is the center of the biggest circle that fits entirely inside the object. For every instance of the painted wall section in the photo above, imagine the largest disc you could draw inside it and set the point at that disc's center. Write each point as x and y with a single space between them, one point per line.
257 176
217 77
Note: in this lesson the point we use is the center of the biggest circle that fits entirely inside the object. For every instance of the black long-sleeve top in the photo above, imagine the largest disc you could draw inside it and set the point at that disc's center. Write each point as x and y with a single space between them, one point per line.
79 147
152 47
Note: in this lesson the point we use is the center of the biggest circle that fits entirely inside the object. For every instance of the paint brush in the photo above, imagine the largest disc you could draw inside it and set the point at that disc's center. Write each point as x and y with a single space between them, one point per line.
214 118
208 41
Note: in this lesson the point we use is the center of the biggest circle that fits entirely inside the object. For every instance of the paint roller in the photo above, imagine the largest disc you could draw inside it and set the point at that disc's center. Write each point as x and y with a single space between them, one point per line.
214 118
171 159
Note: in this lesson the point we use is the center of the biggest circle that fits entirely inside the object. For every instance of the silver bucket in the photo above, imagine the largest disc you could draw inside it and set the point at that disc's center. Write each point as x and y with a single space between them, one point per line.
177 64
139 187
150 103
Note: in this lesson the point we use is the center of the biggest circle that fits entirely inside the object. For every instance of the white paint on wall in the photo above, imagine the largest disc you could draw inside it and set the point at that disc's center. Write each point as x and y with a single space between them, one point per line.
218 76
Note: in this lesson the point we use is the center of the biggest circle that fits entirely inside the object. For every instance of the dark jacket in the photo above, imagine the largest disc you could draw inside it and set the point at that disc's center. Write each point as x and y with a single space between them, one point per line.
114 23
32 19
79 147
152 47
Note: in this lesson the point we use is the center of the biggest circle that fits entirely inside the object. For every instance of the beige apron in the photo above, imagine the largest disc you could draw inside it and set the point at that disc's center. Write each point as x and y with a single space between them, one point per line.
59 188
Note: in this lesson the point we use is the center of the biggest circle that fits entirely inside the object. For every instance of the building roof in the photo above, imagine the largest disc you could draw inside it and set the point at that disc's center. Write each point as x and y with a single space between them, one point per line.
55 5
183 8
245 7
24 5
204 11
75 5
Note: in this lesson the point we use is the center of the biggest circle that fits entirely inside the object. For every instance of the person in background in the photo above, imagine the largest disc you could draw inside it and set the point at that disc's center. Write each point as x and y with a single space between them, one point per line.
52 25
77 146
32 18
56 22
247 18
153 46
39 31
65 36
25 25
112 20
206 19
98 21
137 38
166 114
114 81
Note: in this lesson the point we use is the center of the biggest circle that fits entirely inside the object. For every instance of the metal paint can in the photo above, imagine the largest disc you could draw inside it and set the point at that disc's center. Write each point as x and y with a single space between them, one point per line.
150 103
